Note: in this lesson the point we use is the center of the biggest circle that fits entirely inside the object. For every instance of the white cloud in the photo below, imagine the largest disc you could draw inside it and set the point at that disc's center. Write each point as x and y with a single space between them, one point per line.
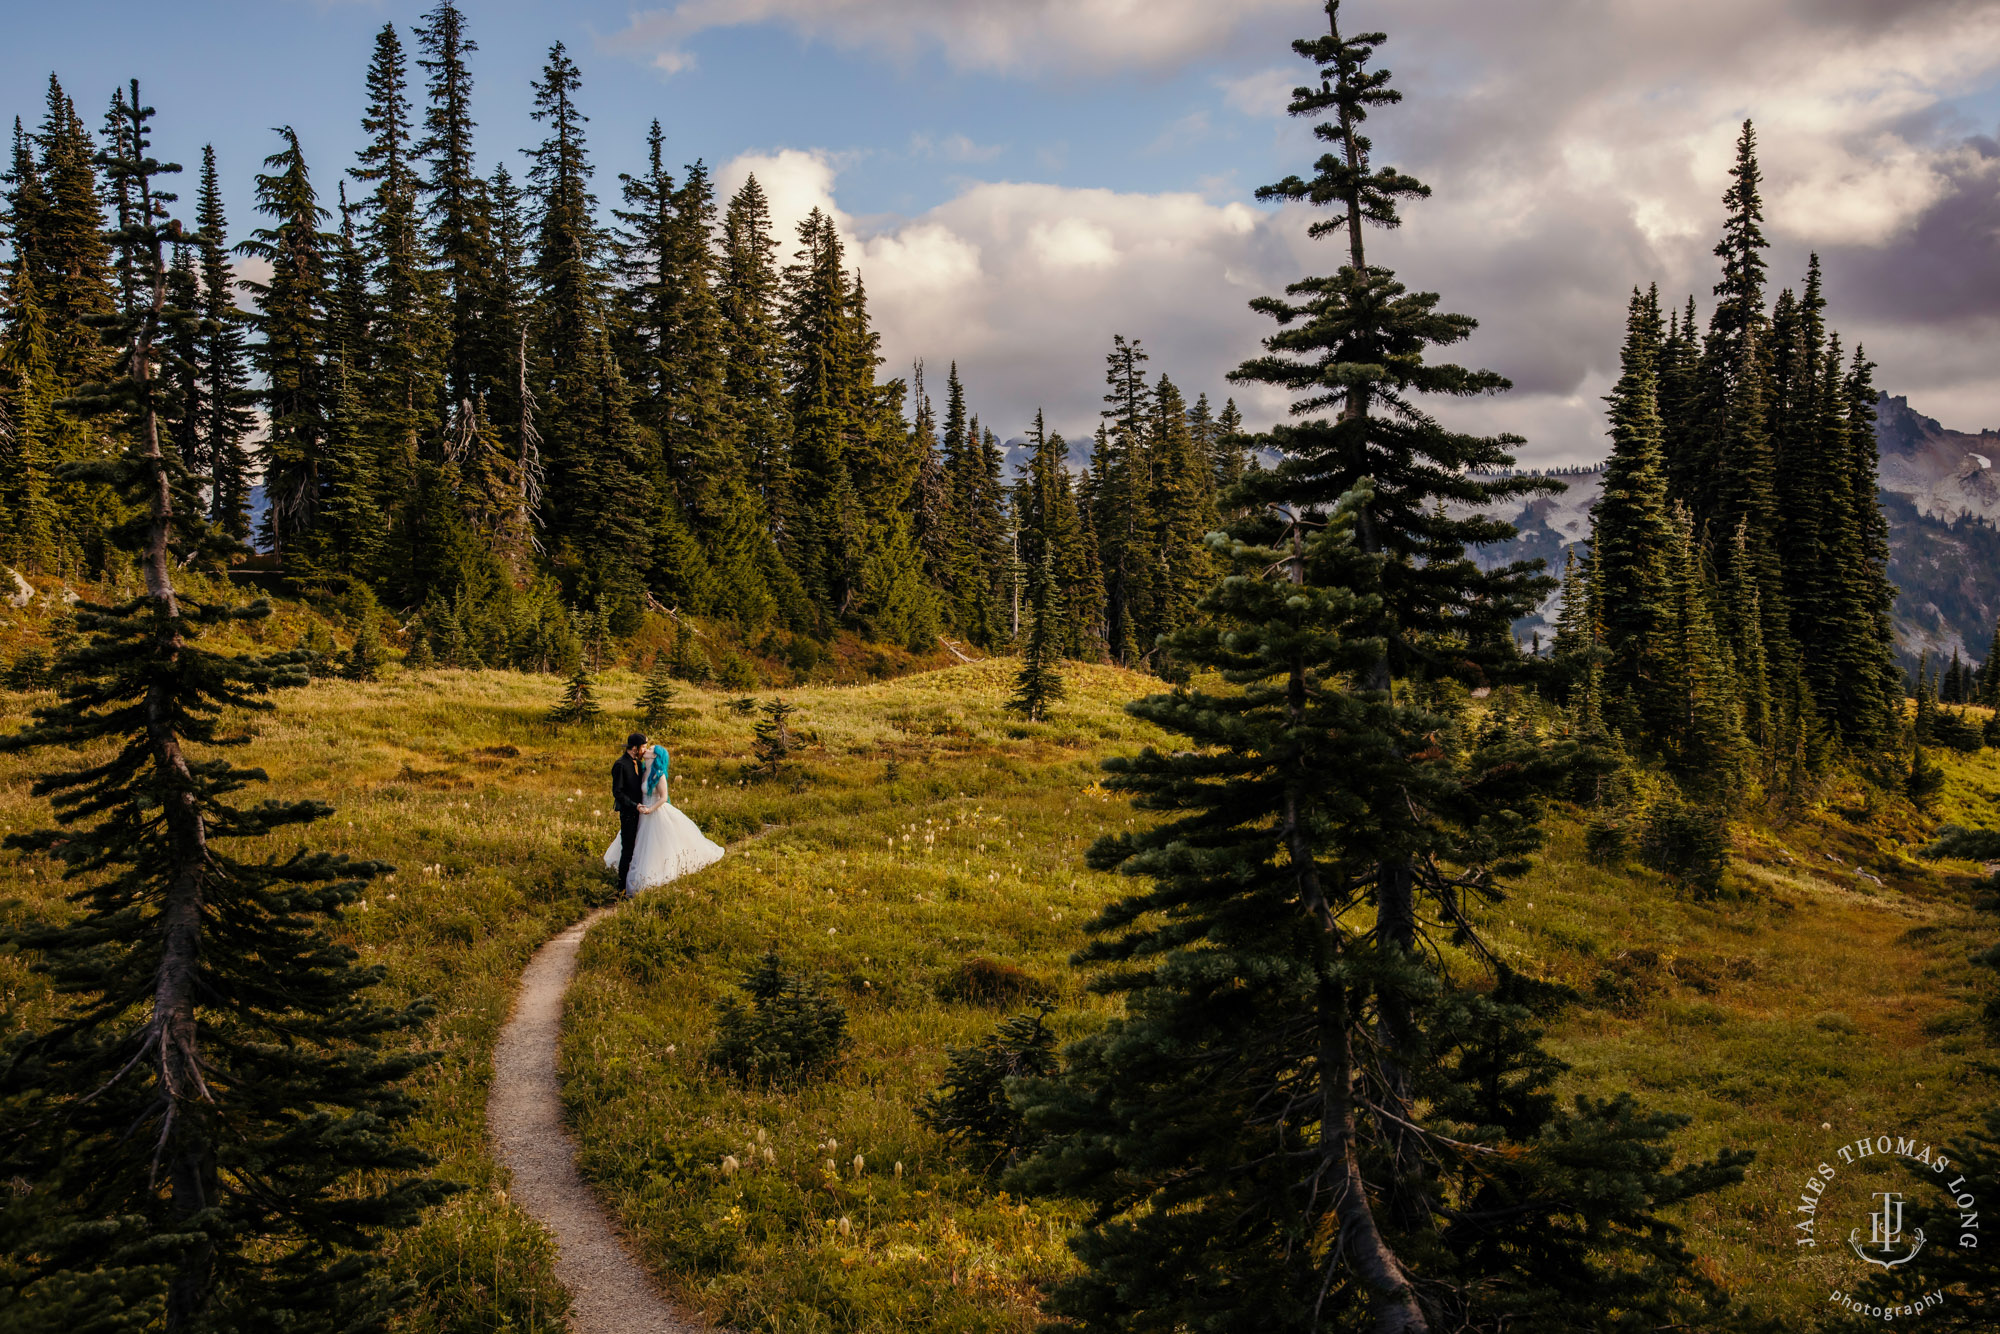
674 61
1024 284
795 181
1575 153
1013 36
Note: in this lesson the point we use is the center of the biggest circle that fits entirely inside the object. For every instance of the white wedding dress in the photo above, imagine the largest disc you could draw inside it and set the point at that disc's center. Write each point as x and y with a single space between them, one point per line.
668 845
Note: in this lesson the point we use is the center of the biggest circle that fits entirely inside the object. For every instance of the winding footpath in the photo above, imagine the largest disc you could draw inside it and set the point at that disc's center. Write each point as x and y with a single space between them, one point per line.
610 1292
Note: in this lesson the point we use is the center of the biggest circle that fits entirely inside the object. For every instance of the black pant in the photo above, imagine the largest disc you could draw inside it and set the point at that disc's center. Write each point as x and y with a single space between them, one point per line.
628 834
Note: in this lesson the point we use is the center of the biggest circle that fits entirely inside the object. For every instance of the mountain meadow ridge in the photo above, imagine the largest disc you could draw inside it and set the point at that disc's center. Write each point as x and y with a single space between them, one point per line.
925 855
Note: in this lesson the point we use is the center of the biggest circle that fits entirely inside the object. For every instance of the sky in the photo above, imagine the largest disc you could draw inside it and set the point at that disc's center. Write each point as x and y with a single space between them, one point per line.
1018 180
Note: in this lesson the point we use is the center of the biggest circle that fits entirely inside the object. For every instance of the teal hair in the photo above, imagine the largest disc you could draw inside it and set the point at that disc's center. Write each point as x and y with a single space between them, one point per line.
656 766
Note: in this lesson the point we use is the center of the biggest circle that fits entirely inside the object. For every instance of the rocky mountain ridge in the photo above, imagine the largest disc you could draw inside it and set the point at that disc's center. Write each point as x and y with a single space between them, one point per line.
1940 489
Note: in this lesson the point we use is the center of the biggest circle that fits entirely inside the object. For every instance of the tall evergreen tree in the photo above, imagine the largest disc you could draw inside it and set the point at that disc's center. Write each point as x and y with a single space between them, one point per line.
1630 537
1123 476
223 361
748 290
599 493
1181 506
461 226
69 244
394 367
1039 684
212 1122
826 524
291 323
1246 1173
1055 547
27 376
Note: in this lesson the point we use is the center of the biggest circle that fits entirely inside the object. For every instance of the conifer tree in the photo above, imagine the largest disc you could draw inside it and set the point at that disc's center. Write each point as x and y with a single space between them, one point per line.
1054 545
394 361
1629 539
747 289
1181 506
1039 683
1703 739
222 365
1868 684
773 742
975 525
578 703
657 699
291 324
1123 475
461 231
27 374
826 525
599 484
212 1123
1244 1172
68 242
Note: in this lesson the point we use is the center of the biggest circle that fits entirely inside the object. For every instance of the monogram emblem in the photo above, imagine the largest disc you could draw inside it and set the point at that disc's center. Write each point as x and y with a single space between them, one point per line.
1885 1231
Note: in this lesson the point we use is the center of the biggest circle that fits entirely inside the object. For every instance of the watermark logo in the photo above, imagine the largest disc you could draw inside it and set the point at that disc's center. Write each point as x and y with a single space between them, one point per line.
1886 1230
1833 1203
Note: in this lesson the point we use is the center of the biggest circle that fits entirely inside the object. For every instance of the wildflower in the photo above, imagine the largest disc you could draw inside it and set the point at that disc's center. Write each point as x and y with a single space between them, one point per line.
831 1168
899 1171
846 1227
860 1164
729 1164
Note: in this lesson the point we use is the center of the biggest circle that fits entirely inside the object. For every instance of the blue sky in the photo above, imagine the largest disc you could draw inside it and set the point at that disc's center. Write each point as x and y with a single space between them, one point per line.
1019 181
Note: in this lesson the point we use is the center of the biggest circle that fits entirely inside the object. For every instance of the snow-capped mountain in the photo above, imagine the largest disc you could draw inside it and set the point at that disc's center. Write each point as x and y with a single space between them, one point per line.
1940 490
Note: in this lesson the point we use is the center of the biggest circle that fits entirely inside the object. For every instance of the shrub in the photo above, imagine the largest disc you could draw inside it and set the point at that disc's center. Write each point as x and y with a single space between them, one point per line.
419 658
792 1029
1926 780
657 701
970 1107
988 982
736 672
578 703
30 671
1958 731
1687 844
690 660
1605 841
774 742
364 661
321 653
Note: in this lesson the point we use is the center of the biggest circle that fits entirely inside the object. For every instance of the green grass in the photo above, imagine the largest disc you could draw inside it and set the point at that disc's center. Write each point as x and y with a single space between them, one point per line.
1806 996
925 828
451 777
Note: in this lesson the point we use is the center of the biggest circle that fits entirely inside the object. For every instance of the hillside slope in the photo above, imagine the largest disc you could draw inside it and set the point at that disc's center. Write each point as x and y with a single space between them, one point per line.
928 862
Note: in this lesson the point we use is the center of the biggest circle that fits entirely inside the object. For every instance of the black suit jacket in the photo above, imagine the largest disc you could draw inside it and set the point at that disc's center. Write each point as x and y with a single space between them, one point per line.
628 792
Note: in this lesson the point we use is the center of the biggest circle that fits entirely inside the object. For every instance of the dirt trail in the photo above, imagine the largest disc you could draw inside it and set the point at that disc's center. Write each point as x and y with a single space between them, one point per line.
610 1291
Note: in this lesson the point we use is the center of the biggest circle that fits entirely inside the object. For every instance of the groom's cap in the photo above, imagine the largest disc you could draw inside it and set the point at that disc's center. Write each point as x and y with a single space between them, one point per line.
636 739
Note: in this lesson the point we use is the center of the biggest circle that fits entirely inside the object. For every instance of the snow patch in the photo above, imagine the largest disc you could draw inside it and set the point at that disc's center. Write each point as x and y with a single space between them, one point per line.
1984 462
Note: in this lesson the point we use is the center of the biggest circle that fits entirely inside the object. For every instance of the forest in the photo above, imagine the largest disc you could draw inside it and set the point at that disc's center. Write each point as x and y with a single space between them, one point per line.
516 421
489 426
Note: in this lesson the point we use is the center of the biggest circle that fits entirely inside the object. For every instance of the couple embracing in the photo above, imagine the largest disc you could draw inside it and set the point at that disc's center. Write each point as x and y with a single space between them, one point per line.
655 842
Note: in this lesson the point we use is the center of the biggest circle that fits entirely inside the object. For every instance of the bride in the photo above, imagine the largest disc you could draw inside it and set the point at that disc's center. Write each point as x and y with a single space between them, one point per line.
668 843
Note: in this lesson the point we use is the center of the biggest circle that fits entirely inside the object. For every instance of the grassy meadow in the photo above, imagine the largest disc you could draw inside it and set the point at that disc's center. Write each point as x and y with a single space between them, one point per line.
925 854
1824 995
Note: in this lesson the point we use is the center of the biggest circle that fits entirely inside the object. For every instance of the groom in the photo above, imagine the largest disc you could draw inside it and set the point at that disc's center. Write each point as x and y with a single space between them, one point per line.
628 793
